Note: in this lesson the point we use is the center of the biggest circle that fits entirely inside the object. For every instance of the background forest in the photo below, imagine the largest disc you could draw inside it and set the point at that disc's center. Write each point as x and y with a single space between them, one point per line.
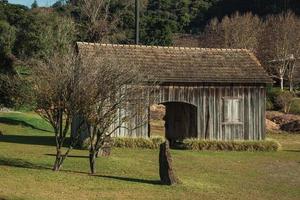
270 28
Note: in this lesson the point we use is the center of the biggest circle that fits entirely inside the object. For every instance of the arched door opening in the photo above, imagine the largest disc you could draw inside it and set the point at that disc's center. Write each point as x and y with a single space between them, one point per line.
180 121
174 120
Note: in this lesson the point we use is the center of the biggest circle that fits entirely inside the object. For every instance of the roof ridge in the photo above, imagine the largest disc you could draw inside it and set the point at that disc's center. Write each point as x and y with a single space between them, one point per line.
160 47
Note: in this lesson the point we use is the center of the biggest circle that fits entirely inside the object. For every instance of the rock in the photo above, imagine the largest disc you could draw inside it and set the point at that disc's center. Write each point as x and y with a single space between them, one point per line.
293 126
281 118
271 125
166 171
157 112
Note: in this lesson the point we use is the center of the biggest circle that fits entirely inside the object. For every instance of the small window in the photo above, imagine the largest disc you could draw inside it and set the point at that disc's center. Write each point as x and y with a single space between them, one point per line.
232 113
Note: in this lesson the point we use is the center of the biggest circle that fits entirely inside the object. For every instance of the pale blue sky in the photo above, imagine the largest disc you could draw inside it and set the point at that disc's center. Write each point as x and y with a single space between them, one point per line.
29 2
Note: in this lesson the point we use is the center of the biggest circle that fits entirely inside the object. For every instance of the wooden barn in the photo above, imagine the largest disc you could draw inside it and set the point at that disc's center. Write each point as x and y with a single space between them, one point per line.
213 94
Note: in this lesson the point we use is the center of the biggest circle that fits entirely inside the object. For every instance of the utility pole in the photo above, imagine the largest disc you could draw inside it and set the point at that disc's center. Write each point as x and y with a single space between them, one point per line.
137 21
286 5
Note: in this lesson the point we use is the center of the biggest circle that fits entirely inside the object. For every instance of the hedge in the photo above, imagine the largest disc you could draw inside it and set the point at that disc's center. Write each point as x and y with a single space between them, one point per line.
145 143
199 145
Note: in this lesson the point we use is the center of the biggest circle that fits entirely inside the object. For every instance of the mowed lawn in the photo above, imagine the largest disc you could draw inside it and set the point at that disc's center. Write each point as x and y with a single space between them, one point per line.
26 157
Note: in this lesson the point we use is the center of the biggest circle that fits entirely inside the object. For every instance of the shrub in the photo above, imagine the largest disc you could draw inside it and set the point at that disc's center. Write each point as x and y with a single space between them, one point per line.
146 143
295 106
200 145
269 104
297 92
284 100
272 94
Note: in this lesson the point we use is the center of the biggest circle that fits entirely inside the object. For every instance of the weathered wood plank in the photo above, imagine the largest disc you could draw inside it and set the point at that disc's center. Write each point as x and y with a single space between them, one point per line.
211 110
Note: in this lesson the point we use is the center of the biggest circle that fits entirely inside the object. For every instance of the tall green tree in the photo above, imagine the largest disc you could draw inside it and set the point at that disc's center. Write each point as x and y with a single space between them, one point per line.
158 23
7 39
42 34
34 4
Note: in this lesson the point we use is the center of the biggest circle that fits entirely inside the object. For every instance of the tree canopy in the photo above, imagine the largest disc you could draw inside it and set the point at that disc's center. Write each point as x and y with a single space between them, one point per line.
27 33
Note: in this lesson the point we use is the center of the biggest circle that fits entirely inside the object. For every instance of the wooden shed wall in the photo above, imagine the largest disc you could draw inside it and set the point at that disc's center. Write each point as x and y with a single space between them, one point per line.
209 101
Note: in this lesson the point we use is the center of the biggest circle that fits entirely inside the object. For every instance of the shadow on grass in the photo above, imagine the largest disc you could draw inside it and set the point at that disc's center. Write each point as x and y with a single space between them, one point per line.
74 172
16 162
10 121
136 180
33 140
20 163
292 150
69 156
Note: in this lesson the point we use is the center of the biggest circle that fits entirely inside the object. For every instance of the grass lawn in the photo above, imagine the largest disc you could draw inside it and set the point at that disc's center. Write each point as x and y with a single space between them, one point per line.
26 157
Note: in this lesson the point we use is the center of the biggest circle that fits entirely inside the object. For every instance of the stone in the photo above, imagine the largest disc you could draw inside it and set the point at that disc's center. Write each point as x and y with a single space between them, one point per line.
271 125
293 126
166 171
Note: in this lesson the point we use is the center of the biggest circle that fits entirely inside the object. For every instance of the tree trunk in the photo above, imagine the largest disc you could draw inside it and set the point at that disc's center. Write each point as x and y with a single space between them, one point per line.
93 161
58 159
291 86
281 83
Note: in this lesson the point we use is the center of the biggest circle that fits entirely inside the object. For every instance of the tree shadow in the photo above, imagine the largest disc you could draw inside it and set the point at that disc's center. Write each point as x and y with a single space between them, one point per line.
136 180
74 172
292 150
20 163
33 140
10 121
69 156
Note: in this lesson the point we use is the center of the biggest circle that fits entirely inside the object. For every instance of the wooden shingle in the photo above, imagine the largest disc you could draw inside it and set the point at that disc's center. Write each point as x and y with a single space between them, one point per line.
180 64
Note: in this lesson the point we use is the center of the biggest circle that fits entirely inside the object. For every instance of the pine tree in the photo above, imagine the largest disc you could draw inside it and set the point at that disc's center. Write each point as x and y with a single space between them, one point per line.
34 4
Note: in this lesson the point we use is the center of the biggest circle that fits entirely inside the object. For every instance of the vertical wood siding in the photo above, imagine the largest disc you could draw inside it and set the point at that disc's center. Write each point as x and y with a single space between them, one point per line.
209 101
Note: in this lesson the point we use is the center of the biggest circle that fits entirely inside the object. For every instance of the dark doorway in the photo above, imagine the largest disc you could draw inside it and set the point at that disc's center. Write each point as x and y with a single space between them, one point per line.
180 121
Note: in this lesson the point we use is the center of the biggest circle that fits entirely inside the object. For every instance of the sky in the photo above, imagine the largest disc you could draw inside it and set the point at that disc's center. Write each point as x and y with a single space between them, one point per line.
43 3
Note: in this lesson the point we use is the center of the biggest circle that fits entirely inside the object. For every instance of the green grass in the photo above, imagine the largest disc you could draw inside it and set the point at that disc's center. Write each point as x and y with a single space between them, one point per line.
26 156
27 119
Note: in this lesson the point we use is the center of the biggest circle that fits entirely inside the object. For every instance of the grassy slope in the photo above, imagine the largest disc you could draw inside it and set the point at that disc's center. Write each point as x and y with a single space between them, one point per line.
133 174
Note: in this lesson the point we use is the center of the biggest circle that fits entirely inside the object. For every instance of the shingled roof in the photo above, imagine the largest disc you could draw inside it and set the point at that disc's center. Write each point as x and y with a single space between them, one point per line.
180 64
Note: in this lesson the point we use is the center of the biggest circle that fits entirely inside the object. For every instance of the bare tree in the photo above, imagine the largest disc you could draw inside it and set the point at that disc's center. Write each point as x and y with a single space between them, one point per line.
100 23
53 83
291 71
236 31
275 42
53 80
115 88
280 46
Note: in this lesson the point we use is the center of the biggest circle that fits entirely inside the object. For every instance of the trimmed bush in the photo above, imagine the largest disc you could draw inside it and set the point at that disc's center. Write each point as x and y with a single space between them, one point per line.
145 143
200 145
